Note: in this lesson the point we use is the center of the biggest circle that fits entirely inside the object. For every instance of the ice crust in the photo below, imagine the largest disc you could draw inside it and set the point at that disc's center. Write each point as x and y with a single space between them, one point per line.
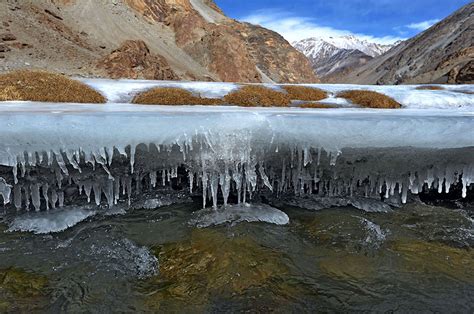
239 213
50 222
453 96
113 152
109 155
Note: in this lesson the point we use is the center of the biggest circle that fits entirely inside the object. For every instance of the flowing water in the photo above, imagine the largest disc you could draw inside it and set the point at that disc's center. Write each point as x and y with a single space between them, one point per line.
417 258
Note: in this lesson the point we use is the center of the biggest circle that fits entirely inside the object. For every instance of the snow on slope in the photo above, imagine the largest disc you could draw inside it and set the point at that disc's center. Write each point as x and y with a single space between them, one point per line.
313 47
323 52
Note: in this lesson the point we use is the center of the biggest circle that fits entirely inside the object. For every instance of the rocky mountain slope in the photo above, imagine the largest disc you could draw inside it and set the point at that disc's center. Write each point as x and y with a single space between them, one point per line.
151 39
338 55
442 54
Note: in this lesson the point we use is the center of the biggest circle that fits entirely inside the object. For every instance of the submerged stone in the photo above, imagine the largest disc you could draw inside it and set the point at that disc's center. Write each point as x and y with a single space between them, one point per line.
211 264
422 258
21 291
349 267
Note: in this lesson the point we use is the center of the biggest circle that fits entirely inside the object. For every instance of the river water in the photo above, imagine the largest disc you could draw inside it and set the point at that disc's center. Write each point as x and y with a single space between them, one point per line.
418 258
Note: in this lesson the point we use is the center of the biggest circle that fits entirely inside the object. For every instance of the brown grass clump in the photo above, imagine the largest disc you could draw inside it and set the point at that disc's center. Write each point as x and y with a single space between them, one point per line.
46 87
172 96
370 99
429 87
317 105
305 93
257 96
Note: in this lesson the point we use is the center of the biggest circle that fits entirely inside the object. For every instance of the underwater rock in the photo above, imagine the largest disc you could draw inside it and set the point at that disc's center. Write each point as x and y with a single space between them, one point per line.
21 291
421 258
349 267
342 231
210 264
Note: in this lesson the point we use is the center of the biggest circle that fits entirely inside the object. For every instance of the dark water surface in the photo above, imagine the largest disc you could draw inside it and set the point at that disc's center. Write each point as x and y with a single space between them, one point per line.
418 258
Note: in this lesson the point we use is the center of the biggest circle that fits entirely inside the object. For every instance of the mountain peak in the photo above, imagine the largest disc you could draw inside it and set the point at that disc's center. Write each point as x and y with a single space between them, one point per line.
332 54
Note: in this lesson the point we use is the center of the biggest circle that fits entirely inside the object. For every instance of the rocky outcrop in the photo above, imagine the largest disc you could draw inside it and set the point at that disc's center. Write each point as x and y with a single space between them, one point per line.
462 74
134 60
275 57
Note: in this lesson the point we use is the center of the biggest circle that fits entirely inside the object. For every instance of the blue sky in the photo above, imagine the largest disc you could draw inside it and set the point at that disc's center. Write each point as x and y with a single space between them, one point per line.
383 21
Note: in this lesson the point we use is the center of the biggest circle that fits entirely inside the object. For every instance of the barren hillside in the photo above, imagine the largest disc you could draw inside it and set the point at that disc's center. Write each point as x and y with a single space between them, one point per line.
151 39
442 54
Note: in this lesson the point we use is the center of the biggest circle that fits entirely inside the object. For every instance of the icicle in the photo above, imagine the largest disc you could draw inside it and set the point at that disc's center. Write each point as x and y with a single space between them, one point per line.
87 190
15 173
225 184
132 158
54 198
5 191
35 196
27 197
204 188
128 184
109 192
116 190
61 198
45 188
71 157
264 177
191 181
153 178
97 192
17 196
61 163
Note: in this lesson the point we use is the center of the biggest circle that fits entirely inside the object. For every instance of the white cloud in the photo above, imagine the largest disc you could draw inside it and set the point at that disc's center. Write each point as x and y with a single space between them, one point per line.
421 26
295 28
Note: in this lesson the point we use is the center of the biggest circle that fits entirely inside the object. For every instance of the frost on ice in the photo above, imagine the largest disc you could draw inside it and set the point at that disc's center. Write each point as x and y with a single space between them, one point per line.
80 154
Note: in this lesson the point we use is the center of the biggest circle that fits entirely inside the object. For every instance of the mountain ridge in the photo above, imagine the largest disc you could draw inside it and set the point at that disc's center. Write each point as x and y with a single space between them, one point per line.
444 53
334 55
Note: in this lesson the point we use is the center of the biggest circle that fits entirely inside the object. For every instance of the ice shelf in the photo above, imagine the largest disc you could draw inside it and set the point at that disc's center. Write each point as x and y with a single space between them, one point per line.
54 155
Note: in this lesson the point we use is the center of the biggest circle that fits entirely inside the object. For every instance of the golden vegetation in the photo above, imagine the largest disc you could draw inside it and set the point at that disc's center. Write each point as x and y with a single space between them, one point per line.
429 87
46 87
369 99
316 105
172 96
257 96
305 93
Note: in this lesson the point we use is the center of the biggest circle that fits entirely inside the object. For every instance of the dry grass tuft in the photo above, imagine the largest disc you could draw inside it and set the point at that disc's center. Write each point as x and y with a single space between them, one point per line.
369 99
173 96
305 93
257 96
429 87
46 87
316 105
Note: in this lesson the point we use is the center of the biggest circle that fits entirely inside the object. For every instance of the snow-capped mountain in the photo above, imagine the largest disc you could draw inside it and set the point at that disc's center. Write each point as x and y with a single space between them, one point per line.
355 51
